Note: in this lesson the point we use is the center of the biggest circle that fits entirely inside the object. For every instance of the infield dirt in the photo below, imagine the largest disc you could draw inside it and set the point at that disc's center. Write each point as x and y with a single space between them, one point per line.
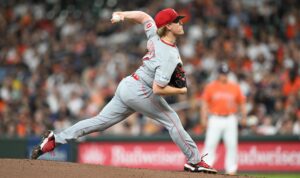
24 168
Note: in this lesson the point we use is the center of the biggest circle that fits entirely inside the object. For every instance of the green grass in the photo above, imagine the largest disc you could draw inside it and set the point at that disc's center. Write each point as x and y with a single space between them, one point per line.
275 175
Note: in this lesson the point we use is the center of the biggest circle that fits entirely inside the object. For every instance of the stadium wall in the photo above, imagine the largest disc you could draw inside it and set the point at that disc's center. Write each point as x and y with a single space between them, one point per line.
256 153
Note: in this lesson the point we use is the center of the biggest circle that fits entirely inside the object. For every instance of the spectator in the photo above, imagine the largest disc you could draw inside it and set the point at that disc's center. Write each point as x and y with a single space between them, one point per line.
296 127
267 127
48 51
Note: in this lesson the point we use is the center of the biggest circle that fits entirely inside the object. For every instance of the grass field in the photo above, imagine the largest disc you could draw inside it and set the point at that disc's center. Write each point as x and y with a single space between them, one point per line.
275 175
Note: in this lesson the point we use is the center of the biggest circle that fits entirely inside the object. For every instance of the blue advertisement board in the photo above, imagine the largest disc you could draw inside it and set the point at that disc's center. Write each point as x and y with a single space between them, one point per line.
61 153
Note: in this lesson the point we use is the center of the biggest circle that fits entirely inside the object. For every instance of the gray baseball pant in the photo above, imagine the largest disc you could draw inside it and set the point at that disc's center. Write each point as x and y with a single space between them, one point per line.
133 95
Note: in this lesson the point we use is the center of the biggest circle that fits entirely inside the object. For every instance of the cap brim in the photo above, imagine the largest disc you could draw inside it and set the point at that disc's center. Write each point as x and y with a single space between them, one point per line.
179 17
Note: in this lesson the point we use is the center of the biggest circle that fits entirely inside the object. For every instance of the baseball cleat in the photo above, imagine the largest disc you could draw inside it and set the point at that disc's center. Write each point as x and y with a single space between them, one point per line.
47 144
200 167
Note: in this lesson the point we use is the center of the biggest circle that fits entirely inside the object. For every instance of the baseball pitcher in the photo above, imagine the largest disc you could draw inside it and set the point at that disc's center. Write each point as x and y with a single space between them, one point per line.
161 74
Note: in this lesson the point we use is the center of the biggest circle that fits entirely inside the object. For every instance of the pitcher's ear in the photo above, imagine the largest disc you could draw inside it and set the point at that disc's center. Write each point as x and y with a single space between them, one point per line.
168 26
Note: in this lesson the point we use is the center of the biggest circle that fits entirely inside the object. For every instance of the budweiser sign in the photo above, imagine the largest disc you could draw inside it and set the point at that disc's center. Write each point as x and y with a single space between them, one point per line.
253 156
137 156
270 156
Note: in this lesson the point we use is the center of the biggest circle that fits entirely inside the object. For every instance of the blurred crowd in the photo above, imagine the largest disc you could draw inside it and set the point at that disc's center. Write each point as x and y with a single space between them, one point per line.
61 61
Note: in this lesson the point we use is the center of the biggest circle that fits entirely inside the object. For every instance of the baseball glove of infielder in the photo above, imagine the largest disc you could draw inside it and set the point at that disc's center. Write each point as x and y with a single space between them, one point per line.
178 78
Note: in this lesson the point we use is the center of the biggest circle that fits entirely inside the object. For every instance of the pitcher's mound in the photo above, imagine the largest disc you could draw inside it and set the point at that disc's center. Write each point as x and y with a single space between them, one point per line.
15 168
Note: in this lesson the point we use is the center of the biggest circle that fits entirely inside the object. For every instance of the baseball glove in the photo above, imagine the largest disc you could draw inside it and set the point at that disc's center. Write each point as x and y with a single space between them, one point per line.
178 78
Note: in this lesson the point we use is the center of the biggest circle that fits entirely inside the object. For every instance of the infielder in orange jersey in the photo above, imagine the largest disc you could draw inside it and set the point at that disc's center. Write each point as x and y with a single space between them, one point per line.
143 90
220 102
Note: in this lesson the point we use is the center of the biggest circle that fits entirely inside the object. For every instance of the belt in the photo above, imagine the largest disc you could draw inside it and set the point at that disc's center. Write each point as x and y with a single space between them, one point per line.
135 76
222 115
140 79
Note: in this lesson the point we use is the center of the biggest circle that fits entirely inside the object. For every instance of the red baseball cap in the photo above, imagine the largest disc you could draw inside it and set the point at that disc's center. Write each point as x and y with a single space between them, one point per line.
166 16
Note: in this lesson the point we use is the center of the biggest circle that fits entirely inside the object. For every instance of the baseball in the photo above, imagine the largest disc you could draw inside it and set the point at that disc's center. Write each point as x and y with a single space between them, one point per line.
116 18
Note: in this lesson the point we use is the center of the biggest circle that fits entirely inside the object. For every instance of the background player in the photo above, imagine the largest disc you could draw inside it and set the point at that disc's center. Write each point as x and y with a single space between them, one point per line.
220 101
142 90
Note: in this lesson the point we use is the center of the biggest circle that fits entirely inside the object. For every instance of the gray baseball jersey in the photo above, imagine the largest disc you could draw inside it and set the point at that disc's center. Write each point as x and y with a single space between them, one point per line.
134 94
161 59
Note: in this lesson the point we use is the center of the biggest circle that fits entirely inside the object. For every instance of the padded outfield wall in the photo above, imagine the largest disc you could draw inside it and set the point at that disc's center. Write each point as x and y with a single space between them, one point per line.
256 154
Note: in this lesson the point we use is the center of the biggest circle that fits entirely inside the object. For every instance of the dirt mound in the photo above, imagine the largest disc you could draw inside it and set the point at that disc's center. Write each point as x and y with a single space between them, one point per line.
15 168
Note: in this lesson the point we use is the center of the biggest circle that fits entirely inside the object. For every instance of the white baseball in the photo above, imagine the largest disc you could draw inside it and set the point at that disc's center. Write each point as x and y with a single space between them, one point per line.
116 18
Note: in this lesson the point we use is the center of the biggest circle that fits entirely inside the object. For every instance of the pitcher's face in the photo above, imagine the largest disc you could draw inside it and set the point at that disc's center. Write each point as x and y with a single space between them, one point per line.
176 27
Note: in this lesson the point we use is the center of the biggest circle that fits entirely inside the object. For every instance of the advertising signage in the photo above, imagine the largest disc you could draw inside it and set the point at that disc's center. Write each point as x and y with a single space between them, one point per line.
252 156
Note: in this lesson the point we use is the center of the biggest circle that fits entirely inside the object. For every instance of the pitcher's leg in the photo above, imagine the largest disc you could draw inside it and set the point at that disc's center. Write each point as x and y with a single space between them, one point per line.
183 139
157 108
114 112
231 144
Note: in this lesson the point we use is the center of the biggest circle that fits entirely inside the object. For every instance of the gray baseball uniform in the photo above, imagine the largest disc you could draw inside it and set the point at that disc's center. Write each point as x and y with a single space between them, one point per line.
134 94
